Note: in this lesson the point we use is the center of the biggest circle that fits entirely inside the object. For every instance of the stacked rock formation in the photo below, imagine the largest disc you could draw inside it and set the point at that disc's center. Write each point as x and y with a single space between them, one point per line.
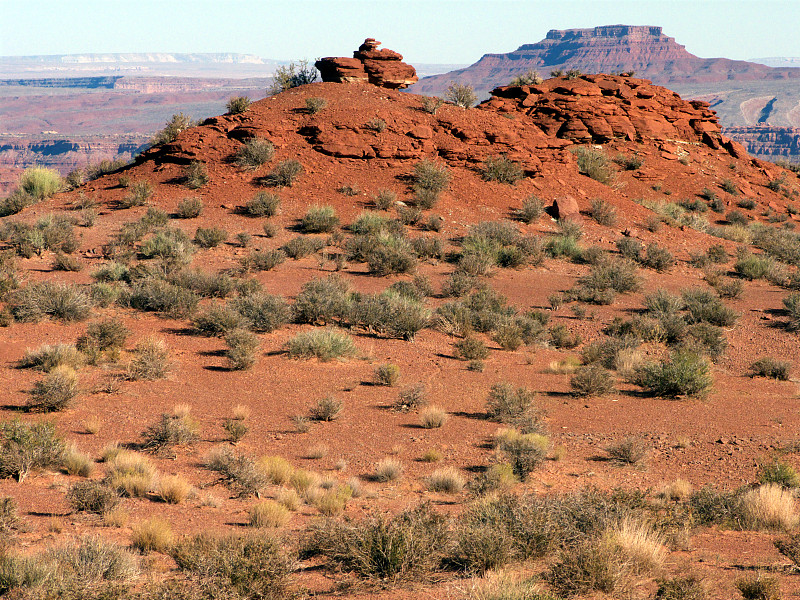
381 67
599 108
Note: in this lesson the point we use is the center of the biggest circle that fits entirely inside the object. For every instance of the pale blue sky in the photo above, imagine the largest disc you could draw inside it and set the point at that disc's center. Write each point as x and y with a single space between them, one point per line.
425 31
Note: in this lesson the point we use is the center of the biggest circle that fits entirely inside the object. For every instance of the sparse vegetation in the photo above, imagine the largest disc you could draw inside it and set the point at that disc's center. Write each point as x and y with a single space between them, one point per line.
237 105
291 76
594 163
195 175
460 94
324 344
284 174
39 183
501 169
254 153
27 447
319 219
315 105
174 127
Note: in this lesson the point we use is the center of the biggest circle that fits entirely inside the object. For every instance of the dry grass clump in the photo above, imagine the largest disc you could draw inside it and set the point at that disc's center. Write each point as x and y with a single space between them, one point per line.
254 153
639 544
332 502
116 517
759 587
387 374
277 469
268 513
317 451
677 491
523 451
173 489
433 417
91 496
130 473
288 498
26 447
323 344
327 409
46 357
769 506
170 430
388 469
448 480
630 451
76 462
152 535
302 481
237 470
55 392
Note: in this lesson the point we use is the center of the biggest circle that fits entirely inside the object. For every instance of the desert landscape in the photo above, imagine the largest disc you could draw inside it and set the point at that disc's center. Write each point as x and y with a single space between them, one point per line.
351 341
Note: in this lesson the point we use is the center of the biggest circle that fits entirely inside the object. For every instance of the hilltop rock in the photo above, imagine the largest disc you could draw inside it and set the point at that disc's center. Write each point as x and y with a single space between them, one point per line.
599 108
381 67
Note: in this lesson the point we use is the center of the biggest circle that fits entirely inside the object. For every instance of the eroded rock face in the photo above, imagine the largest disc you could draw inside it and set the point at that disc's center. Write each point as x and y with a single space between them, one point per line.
370 64
599 108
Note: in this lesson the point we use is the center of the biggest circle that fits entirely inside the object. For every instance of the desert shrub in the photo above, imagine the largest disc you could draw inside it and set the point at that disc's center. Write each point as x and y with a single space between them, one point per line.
291 76
315 105
754 266
703 307
431 104
9 520
210 237
389 314
46 357
412 397
322 301
658 258
151 360
172 246
592 380
429 175
91 496
302 246
327 409
40 182
604 213
26 447
195 175
268 513
177 124
759 587
629 451
561 337
236 105
173 489
408 546
261 312
204 283
60 301
630 248
239 471
591 566
168 431
65 262
157 295
254 153
324 344
460 94
689 587
512 406
779 472
471 348
771 368
532 210
432 417
15 203
685 373
263 204
447 480
523 451
791 305
501 169
266 260
217 320
387 374
242 348
139 193
594 163
319 219
284 173
384 199
630 162
152 535
789 547
55 391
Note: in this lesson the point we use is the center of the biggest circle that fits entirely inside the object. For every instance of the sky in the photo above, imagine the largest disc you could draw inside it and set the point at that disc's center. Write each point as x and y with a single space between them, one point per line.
424 31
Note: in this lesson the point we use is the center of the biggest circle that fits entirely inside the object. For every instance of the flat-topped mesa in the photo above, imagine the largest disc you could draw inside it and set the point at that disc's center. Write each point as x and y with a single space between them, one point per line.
599 108
381 67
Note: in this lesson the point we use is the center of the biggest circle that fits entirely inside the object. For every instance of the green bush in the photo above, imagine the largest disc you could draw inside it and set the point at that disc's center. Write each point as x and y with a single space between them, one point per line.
302 246
324 344
315 105
108 334
284 173
791 304
591 566
319 219
174 127
210 237
254 153
703 307
139 194
780 472
263 204
291 76
428 175
172 246
204 283
501 169
60 301
237 105
523 451
771 368
254 566
387 374
594 163
157 295
592 380
389 314
265 260
658 258
322 301
630 162
169 430
685 373
195 175
262 312
408 546
512 406
26 447
217 320
604 213
242 348
531 211
40 183
460 94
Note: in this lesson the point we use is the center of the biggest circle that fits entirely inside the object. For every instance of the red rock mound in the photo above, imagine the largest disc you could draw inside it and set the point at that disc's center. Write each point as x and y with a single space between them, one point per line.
600 108
381 67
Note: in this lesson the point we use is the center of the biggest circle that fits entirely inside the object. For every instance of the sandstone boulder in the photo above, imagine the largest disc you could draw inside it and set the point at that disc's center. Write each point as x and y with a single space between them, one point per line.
381 67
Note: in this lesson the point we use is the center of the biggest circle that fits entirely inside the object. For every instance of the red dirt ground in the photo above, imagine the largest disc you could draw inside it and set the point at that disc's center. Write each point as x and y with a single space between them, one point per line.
717 440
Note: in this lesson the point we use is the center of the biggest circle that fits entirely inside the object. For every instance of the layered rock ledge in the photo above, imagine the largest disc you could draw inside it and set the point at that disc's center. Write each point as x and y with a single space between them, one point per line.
381 67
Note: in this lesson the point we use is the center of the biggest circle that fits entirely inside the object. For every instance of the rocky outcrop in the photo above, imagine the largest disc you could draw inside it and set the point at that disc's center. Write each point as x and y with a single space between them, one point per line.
600 108
770 143
381 67
607 49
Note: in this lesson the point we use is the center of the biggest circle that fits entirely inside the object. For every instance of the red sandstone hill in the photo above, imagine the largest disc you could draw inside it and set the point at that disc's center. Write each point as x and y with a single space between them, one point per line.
676 171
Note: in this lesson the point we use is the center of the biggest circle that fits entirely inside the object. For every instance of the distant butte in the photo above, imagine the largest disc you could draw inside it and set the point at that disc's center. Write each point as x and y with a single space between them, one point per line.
381 67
